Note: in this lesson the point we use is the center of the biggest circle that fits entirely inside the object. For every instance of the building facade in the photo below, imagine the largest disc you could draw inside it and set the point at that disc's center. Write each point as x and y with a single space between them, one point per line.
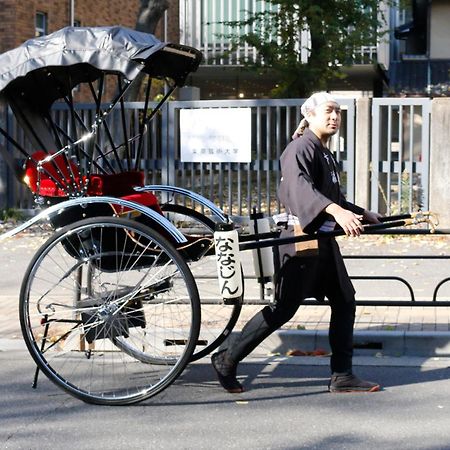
223 73
25 19
420 60
412 59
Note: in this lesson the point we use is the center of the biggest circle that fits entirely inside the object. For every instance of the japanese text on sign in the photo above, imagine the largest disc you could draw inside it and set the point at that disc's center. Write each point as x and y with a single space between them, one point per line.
228 264
215 135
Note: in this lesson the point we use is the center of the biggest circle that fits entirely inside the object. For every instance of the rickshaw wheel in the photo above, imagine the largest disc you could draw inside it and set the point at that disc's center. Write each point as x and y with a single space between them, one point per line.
218 318
98 281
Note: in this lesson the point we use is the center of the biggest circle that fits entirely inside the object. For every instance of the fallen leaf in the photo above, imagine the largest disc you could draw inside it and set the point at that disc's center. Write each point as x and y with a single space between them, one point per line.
316 352
296 353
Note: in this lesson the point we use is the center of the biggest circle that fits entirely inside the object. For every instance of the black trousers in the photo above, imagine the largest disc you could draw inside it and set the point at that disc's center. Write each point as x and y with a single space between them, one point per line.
290 284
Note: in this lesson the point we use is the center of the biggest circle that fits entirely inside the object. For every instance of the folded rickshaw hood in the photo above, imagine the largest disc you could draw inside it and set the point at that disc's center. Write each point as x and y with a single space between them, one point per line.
69 51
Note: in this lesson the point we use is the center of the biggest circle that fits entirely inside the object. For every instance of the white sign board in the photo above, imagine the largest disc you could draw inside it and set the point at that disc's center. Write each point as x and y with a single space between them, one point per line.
216 135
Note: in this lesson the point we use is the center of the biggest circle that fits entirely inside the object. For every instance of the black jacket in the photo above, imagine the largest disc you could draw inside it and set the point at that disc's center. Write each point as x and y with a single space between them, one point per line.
310 182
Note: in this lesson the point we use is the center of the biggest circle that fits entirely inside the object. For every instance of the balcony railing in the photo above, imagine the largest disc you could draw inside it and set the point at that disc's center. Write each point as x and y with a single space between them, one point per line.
202 26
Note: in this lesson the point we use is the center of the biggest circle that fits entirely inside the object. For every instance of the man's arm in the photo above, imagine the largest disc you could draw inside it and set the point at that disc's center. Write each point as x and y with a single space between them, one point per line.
350 221
346 219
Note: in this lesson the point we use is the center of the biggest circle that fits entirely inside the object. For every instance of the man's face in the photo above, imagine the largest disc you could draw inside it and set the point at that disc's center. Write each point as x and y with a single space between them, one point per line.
325 119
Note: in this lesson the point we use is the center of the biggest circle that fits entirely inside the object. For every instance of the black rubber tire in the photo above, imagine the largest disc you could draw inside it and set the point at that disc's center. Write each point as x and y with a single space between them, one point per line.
56 326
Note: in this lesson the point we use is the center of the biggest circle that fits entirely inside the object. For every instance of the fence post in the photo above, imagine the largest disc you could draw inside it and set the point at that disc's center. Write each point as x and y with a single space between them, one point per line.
440 160
3 167
169 142
3 185
362 152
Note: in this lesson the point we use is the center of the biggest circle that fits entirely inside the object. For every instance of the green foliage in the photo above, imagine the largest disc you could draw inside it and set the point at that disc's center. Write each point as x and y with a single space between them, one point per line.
336 28
11 214
410 195
158 90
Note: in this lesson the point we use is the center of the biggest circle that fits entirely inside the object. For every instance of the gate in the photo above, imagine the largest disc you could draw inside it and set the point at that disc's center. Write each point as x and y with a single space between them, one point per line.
235 187
400 154
238 187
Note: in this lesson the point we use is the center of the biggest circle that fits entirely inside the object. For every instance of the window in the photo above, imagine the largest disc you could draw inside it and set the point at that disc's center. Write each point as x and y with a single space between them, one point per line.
40 24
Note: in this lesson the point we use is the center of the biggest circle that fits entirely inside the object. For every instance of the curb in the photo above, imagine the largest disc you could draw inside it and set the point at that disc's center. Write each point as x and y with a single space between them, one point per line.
12 344
366 343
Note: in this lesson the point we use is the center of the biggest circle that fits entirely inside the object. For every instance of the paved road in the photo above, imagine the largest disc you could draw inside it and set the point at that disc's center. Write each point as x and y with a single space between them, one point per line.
286 406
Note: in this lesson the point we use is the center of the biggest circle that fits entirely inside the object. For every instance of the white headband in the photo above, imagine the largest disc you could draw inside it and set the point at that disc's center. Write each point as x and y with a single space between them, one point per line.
316 100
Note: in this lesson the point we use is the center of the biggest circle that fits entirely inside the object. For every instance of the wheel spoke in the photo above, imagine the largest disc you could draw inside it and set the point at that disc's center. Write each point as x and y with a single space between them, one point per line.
101 306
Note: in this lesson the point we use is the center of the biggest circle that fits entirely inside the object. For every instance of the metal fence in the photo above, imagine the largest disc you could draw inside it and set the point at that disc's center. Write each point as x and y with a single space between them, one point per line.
238 187
14 194
399 154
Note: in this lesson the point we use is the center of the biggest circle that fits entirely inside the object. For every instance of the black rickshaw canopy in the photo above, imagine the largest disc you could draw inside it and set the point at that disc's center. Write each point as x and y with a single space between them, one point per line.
54 64
46 69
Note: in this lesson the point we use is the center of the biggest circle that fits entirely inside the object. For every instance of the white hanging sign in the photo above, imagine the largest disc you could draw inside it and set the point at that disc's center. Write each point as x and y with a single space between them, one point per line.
216 135
228 264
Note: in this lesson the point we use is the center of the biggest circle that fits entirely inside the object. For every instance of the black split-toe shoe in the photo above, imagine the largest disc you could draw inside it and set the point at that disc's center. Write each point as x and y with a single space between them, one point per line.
226 372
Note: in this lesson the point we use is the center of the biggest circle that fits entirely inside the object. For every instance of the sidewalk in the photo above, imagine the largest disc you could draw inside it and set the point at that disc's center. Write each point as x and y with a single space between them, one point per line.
379 331
393 330
383 330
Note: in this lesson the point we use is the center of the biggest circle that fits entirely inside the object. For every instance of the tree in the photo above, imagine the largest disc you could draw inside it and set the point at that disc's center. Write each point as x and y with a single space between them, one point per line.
150 13
335 28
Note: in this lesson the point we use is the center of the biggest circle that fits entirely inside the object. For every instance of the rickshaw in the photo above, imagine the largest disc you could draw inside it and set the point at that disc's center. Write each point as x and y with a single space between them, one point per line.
129 287
109 307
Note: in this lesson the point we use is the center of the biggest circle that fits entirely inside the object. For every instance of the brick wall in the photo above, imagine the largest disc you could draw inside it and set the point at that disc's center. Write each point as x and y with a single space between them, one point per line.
106 12
8 21
17 21
173 23
18 17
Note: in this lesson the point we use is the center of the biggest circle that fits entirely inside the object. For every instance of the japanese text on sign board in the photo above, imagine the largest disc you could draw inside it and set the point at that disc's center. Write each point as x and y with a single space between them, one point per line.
228 265
215 135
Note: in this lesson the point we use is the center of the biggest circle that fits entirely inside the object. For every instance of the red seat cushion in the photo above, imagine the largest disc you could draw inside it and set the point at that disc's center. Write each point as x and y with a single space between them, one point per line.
57 178
114 185
143 198
122 185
